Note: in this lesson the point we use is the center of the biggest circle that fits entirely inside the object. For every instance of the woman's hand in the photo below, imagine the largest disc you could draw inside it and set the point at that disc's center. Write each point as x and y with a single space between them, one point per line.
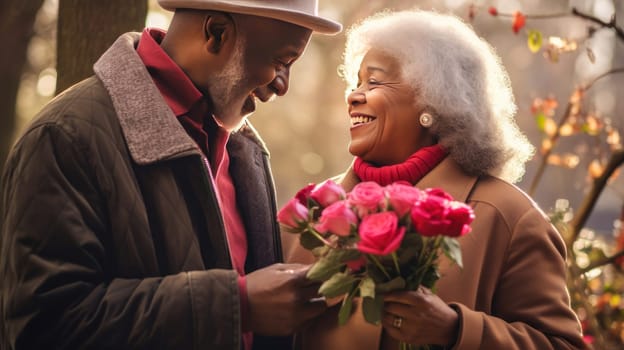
419 317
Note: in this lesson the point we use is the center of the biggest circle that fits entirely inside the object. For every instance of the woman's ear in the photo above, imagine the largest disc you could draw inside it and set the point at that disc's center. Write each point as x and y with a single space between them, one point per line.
218 29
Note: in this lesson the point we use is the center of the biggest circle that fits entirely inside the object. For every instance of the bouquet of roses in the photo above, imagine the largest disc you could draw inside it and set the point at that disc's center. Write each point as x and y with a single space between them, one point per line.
375 239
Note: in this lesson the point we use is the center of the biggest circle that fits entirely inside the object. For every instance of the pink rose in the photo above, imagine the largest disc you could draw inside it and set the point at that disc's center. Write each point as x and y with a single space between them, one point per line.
380 233
327 192
461 216
293 215
402 197
366 197
337 219
304 193
429 215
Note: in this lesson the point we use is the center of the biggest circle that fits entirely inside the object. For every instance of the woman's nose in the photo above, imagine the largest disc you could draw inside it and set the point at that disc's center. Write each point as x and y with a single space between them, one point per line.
355 97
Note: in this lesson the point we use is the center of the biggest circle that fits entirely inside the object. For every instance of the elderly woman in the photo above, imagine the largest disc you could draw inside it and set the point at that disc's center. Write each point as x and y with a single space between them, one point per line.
430 103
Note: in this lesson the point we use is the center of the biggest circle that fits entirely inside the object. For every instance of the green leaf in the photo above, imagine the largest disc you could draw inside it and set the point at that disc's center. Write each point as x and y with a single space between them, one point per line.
534 40
309 241
345 308
323 269
344 255
339 284
367 288
396 283
451 248
410 247
596 254
431 277
320 251
372 309
540 119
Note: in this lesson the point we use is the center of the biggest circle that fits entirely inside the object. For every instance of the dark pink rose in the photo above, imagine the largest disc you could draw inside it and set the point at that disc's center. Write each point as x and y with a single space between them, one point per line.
380 233
357 264
327 192
437 215
293 215
337 219
429 215
304 193
402 197
366 197
461 216
438 192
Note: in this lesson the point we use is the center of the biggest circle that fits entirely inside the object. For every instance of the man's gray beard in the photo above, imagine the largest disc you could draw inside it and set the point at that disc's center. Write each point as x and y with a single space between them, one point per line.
228 79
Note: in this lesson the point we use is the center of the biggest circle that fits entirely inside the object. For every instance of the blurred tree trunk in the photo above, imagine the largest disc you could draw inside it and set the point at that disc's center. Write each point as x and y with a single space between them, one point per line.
86 29
16 28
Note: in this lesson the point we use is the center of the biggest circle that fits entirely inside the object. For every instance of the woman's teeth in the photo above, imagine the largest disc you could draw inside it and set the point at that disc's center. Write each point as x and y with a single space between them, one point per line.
361 119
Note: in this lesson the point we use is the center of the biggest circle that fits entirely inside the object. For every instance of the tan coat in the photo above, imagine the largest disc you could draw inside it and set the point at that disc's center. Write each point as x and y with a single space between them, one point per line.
511 293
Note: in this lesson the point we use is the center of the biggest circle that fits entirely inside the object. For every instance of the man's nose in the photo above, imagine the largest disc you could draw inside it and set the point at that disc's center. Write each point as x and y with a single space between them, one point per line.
280 83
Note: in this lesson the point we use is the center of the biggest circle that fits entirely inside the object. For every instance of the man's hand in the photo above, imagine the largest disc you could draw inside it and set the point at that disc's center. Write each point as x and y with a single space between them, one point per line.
281 299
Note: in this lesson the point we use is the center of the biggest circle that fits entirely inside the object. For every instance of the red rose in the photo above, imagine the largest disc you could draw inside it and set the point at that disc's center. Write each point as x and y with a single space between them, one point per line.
327 192
493 11
436 215
429 216
304 193
366 197
293 215
337 219
461 216
357 264
438 192
380 233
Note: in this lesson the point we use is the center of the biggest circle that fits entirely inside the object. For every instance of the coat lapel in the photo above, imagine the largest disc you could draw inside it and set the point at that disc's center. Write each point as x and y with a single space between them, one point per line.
451 178
150 128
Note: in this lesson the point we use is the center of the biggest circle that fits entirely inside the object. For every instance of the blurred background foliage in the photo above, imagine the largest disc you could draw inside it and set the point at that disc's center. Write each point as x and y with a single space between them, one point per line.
564 57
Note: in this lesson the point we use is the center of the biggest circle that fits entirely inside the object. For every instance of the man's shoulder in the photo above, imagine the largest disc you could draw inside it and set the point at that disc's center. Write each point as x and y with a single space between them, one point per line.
84 105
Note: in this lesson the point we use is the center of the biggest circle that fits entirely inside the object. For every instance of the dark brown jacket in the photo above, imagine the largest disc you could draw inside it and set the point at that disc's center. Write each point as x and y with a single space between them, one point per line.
112 236
511 293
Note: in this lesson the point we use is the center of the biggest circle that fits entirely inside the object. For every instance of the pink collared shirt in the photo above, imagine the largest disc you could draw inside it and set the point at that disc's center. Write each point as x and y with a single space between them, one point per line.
191 109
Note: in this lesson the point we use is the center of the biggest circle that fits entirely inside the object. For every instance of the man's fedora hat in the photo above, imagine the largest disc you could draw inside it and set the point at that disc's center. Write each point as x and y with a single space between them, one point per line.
303 13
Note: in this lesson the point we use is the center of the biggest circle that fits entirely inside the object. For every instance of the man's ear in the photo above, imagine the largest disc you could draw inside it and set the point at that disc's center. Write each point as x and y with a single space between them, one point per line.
218 29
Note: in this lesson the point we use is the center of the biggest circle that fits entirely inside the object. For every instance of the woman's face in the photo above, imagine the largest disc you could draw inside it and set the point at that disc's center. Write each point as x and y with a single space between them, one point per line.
384 113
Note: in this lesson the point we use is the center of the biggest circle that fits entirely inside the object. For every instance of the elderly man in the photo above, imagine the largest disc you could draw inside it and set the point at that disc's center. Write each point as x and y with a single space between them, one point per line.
138 208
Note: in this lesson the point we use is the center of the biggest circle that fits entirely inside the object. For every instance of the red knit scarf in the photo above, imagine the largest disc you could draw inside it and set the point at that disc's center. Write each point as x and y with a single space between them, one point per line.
412 170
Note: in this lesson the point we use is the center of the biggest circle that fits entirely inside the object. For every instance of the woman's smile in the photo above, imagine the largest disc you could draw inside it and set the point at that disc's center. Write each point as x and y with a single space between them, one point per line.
360 119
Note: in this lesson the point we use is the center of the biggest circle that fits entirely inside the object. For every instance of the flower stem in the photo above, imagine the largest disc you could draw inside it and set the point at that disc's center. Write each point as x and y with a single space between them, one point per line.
396 263
319 237
376 261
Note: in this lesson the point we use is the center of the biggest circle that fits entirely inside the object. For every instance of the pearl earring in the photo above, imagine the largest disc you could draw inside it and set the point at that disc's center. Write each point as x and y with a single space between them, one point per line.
426 120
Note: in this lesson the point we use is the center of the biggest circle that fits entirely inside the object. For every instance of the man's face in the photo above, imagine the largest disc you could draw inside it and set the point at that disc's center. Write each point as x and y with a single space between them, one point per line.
259 67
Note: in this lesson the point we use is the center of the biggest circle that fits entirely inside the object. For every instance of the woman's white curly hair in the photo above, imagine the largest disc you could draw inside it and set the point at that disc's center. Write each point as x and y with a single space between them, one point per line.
458 77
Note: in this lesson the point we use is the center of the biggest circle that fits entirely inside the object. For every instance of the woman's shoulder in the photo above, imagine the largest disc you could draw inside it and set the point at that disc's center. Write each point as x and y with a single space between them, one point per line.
507 199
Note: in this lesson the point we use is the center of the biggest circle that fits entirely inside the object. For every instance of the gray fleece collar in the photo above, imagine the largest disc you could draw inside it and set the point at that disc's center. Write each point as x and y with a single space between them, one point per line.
150 128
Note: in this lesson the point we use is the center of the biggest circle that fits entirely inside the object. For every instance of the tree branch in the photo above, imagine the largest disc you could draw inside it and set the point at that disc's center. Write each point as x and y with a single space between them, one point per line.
604 261
617 158
612 71
611 24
